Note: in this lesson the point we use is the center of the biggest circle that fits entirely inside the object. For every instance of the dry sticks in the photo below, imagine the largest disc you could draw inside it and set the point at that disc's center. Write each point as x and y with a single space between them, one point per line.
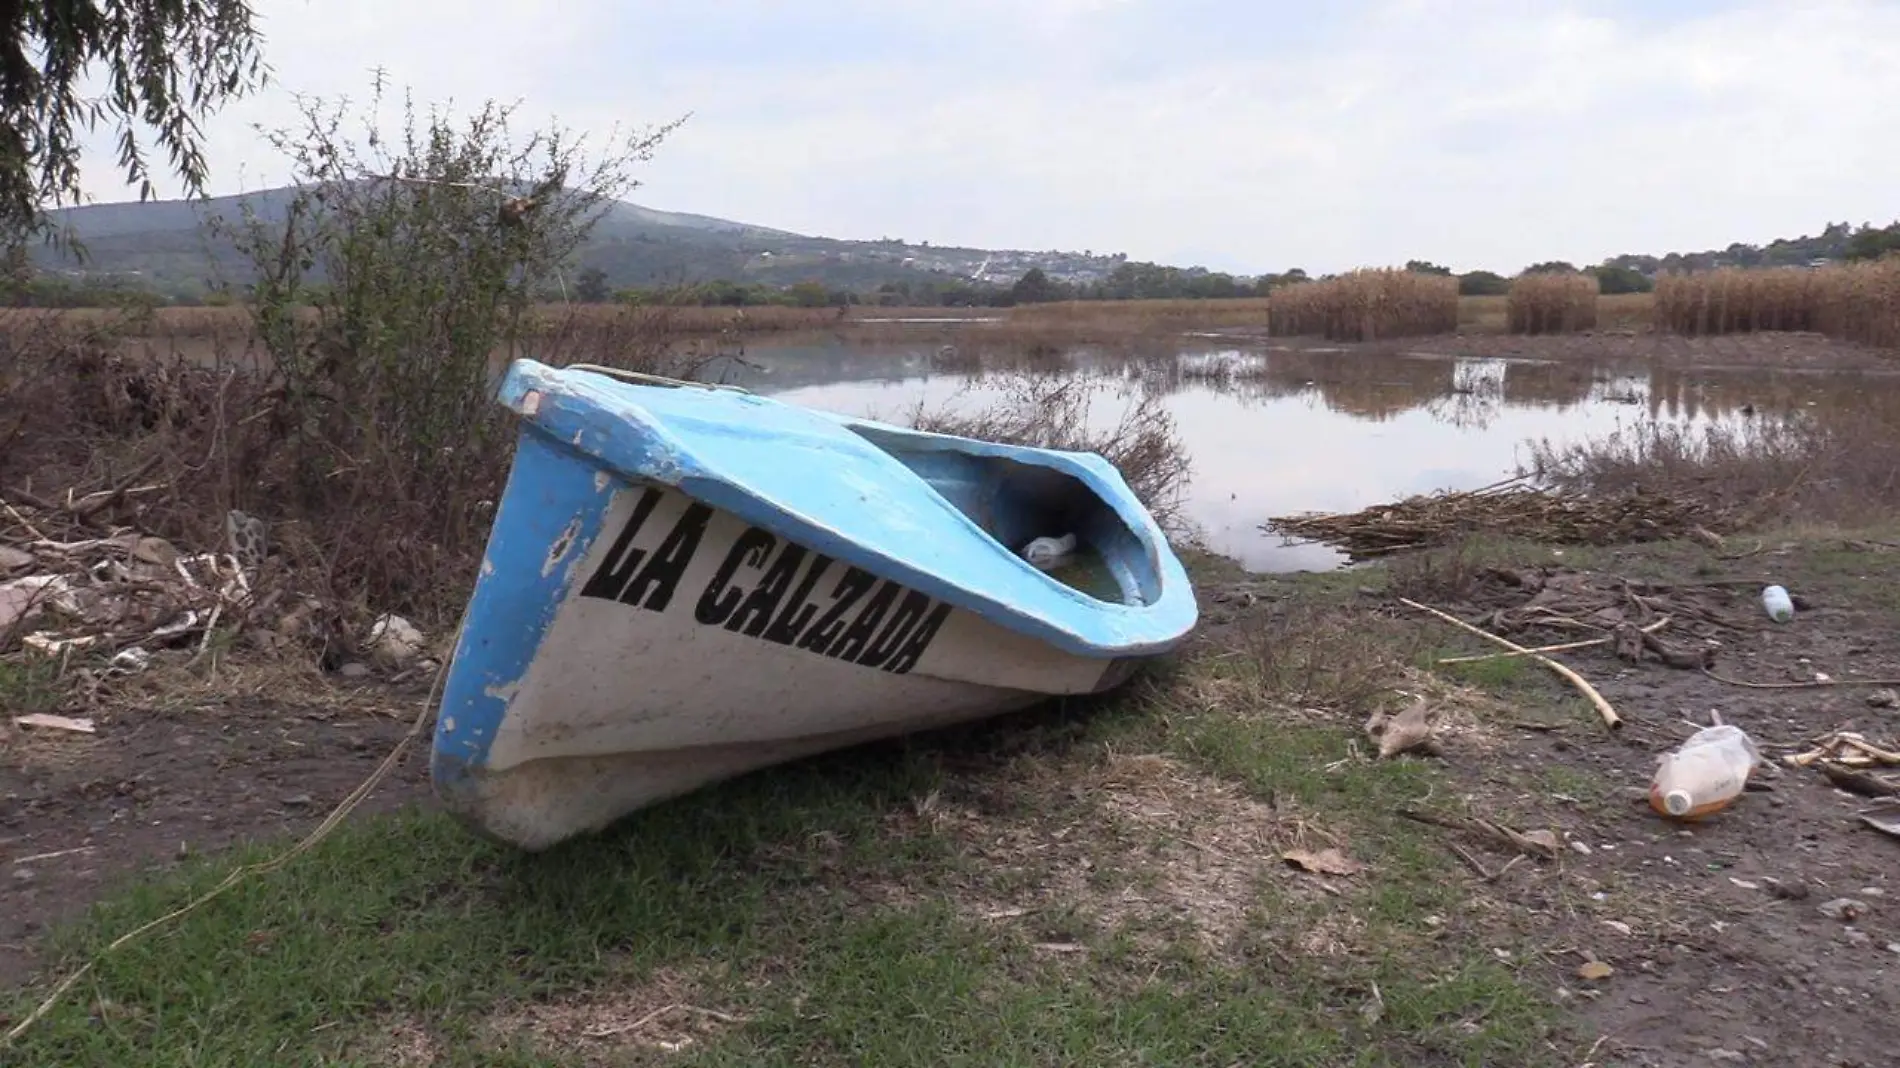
1507 508
1603 706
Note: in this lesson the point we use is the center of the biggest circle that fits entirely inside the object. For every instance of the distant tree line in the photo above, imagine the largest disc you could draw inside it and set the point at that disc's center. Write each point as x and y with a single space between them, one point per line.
20 285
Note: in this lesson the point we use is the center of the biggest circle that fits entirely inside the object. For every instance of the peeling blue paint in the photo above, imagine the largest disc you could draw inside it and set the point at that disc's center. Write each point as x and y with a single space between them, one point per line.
515 599
834 484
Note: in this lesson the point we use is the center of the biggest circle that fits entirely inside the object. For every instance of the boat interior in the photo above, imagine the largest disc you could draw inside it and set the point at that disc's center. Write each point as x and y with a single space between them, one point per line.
1015 502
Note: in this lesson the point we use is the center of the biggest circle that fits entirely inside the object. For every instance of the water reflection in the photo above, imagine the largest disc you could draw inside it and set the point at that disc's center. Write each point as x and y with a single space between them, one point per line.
1274 431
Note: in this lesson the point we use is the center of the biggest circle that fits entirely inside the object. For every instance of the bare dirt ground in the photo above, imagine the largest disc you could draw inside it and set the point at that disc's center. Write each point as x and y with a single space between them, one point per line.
1766 934
80 814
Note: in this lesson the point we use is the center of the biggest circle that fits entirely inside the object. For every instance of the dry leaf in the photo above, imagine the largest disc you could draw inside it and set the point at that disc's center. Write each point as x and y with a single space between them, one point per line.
1542 839
1410 729
1324 862
1594 970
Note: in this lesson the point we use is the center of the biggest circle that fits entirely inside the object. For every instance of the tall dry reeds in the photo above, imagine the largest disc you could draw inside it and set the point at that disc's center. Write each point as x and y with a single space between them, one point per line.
1739 300
1857 302
1551 303
1366 305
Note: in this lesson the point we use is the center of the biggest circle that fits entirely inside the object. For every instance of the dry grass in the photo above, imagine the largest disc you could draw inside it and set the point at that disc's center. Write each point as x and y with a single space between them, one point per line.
1618 311
1844 467
1051 412
1367 305
1551 304
1855 302
1090 316
235 321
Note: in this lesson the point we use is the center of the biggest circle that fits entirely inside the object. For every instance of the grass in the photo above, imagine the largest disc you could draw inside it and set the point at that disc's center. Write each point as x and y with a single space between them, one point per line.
1551 304
1095 885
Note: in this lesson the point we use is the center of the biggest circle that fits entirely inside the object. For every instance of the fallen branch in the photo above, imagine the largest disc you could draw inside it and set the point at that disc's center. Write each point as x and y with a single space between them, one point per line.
1857 782
1603 707
1563 647
1503 836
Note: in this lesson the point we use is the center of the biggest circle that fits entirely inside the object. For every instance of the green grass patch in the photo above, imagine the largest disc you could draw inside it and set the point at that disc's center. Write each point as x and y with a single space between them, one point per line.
772 896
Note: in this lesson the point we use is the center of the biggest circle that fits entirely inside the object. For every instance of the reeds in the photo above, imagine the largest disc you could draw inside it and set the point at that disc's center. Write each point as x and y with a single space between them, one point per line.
1858 302
1366 305
1550 303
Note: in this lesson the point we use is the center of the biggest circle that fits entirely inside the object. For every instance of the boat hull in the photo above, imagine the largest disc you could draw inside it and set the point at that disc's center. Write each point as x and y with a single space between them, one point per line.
627 643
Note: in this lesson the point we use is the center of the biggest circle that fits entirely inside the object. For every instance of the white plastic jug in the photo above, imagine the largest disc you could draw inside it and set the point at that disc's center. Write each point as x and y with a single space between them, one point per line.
1705 773
1776 600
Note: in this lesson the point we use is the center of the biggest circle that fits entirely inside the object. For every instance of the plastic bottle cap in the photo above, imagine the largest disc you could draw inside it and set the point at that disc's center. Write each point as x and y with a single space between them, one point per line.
1677 802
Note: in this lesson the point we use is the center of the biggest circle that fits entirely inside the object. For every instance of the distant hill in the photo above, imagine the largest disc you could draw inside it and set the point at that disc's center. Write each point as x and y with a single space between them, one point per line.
169 246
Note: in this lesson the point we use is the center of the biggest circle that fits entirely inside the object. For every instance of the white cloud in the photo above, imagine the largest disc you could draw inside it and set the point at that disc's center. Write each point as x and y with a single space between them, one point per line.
1482 134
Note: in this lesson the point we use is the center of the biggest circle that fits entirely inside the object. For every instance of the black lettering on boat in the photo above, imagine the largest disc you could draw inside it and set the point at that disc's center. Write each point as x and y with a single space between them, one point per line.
720 598
617 569
853 585
798 609
909 611
852 643
653 587
763 601
918 642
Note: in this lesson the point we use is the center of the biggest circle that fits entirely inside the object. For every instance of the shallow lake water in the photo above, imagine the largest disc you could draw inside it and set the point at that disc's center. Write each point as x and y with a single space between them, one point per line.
1275 431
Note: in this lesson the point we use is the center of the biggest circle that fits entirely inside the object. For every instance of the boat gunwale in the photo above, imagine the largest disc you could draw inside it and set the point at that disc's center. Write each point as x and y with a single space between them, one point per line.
565 406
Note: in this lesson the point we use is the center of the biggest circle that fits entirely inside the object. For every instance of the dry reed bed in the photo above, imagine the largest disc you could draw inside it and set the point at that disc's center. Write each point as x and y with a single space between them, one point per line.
1367 305
1551 304
1857 302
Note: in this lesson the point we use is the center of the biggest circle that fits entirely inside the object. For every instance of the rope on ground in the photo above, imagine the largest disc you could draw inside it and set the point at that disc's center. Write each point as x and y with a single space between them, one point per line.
309 841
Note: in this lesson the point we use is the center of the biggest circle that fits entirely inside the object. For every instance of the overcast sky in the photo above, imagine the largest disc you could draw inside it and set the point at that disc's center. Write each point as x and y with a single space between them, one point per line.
1239 134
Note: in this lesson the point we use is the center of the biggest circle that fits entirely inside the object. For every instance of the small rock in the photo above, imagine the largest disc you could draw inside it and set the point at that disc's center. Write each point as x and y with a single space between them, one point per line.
1580 847
1787 890
22 876
1894 948
1845 909
1727 1056
355 669
1872 891
297 801
1883 699
1857 938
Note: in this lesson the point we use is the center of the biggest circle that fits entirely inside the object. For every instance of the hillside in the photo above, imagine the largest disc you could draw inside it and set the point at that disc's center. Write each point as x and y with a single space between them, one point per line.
171 246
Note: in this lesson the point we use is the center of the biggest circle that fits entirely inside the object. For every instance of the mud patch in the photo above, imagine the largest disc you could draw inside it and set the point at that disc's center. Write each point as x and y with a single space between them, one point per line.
175 773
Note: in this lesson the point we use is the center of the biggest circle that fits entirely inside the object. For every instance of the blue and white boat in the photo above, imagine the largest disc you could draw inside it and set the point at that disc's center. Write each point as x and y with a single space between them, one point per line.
685 582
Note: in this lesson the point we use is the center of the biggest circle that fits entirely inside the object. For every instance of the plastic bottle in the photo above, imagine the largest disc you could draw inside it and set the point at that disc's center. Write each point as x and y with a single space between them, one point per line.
1046 553
1780 608
1705 774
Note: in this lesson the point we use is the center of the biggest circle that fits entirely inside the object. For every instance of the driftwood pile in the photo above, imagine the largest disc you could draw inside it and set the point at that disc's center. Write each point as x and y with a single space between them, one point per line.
73 582
1506 508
